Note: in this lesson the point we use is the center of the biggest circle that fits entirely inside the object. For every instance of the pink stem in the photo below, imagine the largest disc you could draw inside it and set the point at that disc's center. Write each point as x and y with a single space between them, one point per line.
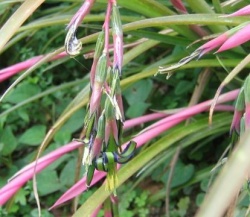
228 108
16 68
146 118
198 108
154 116
153 132
27 172
81 13
106 27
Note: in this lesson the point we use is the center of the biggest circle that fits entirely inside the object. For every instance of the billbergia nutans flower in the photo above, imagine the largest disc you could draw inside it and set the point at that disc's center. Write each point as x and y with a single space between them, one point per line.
206 48
240 37
102 130
227 40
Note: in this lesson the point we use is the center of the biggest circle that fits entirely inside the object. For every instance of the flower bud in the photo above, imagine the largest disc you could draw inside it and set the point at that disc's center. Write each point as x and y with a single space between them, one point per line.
101 69
97 54
100 77
97 145
117 39
99 45
101 127
116 21
116 91
240 37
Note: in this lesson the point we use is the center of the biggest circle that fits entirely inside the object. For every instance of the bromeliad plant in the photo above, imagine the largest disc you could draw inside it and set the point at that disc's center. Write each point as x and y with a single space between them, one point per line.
104 149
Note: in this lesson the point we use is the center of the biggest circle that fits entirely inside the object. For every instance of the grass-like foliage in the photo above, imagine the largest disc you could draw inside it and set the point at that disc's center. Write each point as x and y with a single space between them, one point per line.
124 108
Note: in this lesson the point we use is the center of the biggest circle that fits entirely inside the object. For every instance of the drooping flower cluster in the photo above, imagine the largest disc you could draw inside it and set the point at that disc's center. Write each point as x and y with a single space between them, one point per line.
102 130
227 40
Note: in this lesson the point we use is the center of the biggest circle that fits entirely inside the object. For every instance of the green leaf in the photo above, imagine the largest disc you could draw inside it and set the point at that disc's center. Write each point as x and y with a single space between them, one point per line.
204 184
62 137
6 173
20 197
137 110
67 175
22 92
8 140
23 113
182 174
199 199
34 135
138 92
48 182
183 205
75 122
141 200
183 87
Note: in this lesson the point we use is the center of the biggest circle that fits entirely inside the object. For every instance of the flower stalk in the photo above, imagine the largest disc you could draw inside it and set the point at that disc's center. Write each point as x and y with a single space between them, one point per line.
102 130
